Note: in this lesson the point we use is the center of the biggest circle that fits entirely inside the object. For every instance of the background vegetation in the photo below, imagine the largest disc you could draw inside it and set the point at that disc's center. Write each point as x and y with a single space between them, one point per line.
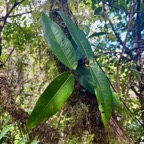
115 30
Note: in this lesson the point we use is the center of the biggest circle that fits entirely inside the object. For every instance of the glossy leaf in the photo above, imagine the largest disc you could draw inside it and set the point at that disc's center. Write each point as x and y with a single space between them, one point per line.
52 99
79 37
58 42
84 77
103 93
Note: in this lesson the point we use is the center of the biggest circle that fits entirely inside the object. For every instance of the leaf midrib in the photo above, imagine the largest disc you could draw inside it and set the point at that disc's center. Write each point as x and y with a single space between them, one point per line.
59 44
53 97
100 89
102 97
50 23
80 42
71 31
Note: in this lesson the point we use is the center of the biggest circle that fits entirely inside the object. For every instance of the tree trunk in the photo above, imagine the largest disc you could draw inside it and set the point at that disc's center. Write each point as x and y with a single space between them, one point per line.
82 105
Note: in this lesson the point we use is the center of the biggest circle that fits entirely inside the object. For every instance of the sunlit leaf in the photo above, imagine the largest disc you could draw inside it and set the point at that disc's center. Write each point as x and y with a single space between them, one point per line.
22 141
52 99
5 130
58 42
103 93
79 37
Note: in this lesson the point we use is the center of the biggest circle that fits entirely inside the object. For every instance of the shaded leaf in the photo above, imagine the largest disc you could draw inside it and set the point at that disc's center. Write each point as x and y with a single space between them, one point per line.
97 34
79 55
103 93
58 42
79 37
52 99
84 77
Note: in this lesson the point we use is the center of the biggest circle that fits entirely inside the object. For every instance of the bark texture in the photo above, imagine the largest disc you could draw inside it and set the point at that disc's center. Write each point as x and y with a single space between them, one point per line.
88 119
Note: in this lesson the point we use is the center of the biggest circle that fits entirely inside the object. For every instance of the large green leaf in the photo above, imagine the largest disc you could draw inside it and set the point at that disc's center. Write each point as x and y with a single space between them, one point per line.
103 93
52 99
58 42
84 77
79 37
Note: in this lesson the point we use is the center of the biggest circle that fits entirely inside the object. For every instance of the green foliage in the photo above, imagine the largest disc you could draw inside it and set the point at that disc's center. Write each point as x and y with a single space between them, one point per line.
58 42
97 34
98 10
79 37
6 128
31 66
121 4
52 99
94 2
86 138
84 77
61 87
103 93
5 131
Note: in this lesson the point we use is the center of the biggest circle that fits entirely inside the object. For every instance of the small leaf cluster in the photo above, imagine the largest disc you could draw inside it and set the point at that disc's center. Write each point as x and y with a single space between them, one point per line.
88 74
